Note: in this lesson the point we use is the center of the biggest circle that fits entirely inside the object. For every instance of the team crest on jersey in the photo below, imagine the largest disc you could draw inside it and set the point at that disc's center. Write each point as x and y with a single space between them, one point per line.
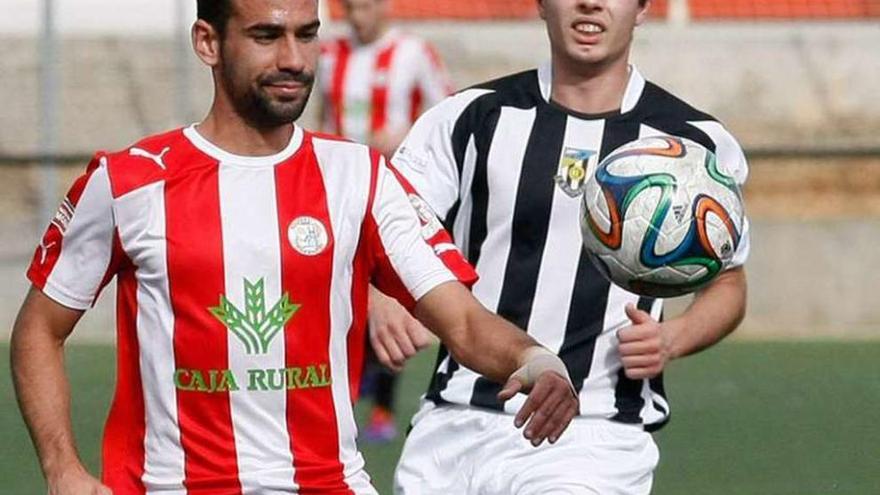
308 236
255 327
430 223
573 167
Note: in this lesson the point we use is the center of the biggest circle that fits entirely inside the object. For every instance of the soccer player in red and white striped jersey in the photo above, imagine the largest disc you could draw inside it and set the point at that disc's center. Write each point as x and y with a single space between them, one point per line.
377 80
243 247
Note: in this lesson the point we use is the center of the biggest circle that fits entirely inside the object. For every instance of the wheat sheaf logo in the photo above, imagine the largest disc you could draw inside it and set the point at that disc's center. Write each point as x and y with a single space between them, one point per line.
255 327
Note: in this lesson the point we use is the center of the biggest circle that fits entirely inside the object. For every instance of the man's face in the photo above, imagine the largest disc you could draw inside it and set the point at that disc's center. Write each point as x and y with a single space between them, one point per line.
591 32
268 58
366 17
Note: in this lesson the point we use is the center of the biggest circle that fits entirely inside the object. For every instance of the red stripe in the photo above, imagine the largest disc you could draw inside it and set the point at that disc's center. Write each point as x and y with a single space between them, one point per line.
123 447
381 73
196 281
47 254
415 103
311 417
337 90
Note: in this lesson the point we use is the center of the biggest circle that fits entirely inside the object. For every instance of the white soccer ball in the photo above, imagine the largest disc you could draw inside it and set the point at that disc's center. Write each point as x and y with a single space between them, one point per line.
660 217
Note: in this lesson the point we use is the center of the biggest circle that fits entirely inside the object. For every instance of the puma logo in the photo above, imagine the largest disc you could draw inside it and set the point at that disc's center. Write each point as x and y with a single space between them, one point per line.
44 250
146 154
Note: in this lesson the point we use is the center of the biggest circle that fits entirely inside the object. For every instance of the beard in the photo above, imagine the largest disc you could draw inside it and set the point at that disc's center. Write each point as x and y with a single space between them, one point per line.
262 109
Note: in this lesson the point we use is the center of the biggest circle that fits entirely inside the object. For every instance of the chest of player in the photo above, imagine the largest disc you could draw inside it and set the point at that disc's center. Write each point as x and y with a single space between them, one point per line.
251 234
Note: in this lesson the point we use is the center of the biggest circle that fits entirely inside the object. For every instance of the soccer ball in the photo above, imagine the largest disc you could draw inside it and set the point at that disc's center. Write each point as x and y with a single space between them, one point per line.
660 218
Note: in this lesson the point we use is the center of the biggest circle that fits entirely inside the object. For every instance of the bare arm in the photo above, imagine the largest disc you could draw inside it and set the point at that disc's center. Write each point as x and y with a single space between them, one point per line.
717 310
490 345
43 392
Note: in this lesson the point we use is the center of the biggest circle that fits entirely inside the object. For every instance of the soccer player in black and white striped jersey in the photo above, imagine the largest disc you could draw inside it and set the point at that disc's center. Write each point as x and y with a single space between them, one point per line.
497 163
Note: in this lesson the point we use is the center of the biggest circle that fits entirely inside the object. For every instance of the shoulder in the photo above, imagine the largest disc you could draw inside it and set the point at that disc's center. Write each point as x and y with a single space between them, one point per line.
657 102
476 103
664 111
332 150
144 162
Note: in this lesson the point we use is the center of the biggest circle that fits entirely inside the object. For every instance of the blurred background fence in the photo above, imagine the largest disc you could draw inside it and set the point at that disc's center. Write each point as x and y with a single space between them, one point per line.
795 80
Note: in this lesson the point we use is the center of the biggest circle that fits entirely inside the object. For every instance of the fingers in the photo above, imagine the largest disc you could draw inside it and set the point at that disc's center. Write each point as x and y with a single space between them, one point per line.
549 409
511 388
103 490
382 354
636 315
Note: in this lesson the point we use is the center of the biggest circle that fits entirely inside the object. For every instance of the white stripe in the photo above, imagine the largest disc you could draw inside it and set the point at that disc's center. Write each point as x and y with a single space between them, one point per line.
252 251
462 226
86 247
357 92
505 165
346 181
141 219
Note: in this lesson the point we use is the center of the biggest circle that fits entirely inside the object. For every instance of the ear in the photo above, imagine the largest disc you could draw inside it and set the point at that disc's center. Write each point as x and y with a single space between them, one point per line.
206 43
643 13
541 11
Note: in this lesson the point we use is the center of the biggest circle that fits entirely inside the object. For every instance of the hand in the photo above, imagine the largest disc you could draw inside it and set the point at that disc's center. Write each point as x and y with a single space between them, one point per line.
76 481
394 334
551 405
552 401
644 348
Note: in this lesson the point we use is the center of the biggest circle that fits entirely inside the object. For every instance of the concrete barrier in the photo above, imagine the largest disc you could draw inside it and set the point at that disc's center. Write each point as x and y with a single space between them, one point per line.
791 85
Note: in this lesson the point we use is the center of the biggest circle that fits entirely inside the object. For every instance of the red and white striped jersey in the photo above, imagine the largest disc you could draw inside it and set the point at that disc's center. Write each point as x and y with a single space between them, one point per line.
384 85
242 290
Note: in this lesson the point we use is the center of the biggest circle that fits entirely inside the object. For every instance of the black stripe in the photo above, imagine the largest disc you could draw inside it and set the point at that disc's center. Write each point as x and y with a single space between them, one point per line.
628 398
439 380
530 223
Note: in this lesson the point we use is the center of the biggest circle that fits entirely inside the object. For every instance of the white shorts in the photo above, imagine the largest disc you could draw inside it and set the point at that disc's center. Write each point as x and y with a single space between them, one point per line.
463 451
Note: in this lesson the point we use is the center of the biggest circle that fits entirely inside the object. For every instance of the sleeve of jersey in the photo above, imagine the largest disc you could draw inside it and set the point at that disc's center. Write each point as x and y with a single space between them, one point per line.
732 161
414 253
73 261
427 156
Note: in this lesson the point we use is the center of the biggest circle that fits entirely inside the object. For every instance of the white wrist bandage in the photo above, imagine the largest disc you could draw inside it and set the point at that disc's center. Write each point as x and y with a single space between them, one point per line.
536 360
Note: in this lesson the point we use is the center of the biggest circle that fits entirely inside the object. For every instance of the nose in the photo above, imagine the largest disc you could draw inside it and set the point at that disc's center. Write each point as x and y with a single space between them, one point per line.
590 5
291 56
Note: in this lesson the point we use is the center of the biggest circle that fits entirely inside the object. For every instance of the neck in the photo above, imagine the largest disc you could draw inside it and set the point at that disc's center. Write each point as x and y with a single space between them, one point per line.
380 31
589 89
231 132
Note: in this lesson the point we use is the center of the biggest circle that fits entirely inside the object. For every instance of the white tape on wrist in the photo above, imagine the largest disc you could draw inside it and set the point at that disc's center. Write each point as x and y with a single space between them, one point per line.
537 360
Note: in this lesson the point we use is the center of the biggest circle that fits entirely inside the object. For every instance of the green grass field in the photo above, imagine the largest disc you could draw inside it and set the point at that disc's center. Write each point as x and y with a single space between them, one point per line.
749 418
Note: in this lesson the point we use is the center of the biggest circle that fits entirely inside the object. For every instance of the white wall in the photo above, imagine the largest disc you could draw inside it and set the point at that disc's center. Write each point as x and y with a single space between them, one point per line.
95 17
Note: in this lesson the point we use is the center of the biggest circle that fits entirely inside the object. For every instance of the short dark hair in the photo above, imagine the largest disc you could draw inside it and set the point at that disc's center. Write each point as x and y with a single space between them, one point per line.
216 13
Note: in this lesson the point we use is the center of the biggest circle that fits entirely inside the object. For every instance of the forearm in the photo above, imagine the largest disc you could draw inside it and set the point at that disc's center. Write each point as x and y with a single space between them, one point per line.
476 338
43 393
715 312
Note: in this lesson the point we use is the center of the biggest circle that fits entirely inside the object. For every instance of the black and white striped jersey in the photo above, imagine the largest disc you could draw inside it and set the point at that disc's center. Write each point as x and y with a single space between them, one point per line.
491 161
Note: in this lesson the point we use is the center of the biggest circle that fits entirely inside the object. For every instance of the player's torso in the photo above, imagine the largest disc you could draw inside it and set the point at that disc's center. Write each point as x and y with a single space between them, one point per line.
241 275
518 221
367 88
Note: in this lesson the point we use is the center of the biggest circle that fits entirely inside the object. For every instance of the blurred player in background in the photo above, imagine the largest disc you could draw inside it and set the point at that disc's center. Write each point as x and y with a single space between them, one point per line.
503 165
374 82
243 247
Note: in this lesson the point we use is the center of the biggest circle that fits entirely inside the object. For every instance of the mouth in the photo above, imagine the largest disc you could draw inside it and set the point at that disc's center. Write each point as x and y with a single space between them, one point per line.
286 89
588 31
